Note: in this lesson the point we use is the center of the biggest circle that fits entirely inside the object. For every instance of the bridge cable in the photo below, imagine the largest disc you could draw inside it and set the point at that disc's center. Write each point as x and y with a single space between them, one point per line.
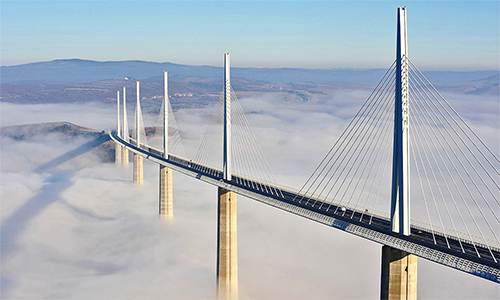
461 178
262 169
247 155
385 152
244 151
381 106
420 106
470 163
416 141
349 127
239 153
465 156
380 183
463 181
366 109
386 134
385 125
361 126
415 95
349 139
175 145
383 133
210 138
423 191
385 147
458 115
142 132
458 189
424 81
384 111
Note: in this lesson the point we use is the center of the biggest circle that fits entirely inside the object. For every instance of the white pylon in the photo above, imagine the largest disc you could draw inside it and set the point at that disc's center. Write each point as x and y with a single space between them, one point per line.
137 118
400 198
165 115
125 117
118 127
227 120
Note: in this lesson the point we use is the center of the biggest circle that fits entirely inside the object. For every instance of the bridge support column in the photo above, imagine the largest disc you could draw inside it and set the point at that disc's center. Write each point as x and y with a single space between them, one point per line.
227 244
118 154
166 203
125 157
138 170
399 275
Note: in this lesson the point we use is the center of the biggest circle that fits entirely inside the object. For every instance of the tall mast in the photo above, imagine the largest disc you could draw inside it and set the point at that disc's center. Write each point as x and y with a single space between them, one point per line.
125 117
118 127
227 120
400 198
137 119
165 115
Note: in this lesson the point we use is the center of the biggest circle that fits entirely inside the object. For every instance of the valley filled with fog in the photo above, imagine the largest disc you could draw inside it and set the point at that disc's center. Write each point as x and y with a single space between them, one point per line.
83 230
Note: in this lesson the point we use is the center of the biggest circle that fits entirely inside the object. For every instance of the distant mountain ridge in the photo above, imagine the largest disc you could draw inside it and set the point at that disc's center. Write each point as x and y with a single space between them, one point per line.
78 71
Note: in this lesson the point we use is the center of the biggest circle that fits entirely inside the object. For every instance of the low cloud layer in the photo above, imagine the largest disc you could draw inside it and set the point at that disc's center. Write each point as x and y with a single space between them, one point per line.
85 231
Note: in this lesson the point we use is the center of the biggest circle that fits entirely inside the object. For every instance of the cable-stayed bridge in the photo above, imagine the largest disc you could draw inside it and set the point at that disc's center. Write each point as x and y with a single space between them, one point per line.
405 135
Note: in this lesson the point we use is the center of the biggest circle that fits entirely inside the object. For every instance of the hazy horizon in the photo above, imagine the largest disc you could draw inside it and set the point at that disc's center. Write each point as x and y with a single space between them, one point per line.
245 66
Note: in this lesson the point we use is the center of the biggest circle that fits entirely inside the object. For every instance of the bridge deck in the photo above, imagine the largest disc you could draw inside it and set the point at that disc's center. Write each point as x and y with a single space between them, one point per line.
461 253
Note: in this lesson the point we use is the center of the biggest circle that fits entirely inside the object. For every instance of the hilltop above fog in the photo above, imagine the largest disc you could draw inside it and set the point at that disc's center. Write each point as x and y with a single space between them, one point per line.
64 131
29 131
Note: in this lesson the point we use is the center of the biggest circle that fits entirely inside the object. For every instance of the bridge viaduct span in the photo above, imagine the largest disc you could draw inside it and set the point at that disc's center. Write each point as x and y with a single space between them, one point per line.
402 240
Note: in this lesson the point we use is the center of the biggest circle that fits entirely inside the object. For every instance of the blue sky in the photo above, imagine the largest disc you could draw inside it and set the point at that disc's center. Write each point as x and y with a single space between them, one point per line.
443 35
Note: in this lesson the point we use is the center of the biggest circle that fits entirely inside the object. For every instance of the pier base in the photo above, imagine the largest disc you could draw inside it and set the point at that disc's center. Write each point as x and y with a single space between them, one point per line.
227 244
399 275
118 154
166 201
138 170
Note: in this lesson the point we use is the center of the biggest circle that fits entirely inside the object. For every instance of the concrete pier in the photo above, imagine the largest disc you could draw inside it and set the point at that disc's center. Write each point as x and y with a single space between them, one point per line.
138 170
399 275
166 203
118 154
125 157
227 246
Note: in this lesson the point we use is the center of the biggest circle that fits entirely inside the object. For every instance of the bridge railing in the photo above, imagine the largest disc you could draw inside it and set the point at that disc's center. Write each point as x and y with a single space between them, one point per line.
449 233
418 225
